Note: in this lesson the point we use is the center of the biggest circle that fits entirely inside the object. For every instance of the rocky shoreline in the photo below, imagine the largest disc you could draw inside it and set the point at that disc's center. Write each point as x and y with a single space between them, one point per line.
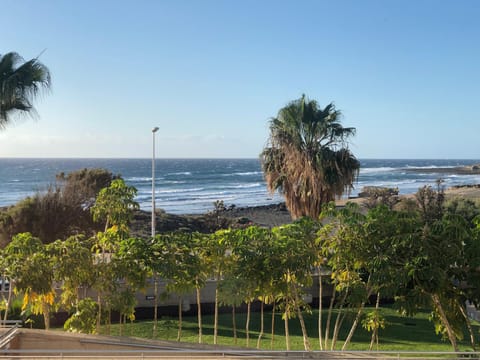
458 170
265 216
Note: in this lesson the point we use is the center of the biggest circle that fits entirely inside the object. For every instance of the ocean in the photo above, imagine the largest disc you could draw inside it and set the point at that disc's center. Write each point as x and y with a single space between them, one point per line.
189 186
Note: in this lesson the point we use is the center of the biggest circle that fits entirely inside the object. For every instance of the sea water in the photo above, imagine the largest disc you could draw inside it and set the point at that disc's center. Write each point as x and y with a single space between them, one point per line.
188 186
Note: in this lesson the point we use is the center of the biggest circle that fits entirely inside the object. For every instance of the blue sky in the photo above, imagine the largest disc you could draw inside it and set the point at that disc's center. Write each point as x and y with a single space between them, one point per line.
210 74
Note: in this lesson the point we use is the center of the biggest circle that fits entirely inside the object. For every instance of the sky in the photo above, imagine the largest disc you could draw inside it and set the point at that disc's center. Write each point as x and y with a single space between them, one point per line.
212 73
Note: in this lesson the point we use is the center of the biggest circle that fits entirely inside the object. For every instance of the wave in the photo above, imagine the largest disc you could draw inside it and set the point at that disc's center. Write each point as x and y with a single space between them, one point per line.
377 170
247 173
179 173
175 191
138 179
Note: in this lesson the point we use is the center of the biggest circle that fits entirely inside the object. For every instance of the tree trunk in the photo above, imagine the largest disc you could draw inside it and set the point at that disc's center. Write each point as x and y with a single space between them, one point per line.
155 305
215 320
338 321
120 322
287 334
199 315
99 315
9 299
320 306
374 338
261 326
180 318
337 327
306 341
354 326
46 314
247 323
443 318
329 315
469 326
273 326
359 314
234 323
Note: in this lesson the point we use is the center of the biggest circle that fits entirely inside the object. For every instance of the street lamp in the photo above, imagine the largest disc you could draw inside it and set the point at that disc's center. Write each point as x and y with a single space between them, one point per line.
154 130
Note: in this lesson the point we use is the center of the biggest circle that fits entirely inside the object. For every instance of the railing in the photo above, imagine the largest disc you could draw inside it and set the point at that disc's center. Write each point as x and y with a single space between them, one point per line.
7 337
10 323
232 354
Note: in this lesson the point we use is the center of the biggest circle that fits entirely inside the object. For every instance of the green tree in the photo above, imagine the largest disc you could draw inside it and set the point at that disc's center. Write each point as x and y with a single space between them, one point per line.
72 264
307 158
114 205
20 83
295 271
31 273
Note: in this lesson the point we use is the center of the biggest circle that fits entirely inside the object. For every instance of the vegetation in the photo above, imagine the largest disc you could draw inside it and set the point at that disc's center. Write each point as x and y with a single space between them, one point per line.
61 211
307 158
425 258
20 83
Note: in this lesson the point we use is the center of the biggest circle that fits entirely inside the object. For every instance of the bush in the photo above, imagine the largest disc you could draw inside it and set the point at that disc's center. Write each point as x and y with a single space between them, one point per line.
84 319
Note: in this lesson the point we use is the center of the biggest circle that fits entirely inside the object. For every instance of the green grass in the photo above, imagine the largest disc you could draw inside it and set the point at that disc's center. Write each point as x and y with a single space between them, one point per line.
400 334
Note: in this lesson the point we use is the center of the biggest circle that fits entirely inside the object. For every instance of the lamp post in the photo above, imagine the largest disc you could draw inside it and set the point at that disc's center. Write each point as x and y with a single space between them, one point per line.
154 130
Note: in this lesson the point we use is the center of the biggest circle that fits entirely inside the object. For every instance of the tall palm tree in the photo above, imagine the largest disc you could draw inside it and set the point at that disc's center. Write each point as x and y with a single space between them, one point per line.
20 82
307 157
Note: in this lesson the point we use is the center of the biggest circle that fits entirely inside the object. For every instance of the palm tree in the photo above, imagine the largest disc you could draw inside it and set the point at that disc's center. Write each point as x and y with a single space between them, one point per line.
307 157
20 82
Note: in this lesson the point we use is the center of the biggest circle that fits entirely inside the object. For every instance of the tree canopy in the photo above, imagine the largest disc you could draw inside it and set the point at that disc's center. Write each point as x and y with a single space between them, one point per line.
20 83
307 157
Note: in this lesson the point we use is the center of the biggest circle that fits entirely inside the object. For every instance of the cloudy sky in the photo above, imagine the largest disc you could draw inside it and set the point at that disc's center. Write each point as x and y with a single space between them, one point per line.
210 74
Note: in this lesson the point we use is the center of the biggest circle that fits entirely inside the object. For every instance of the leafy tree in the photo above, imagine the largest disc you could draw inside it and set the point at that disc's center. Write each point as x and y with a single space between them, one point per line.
307 158
72 264
114 204
20 83
295 270
216 248
31 273
174 261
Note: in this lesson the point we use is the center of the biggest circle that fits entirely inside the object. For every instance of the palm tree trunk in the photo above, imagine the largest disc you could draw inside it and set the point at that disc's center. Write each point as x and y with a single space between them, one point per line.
443 318
320 305
261 326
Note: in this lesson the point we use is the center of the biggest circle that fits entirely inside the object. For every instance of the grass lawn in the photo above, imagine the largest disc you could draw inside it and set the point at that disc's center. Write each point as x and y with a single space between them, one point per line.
400 334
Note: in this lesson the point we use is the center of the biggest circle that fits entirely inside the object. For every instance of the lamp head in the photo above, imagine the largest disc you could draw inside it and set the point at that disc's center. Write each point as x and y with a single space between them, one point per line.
155 129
